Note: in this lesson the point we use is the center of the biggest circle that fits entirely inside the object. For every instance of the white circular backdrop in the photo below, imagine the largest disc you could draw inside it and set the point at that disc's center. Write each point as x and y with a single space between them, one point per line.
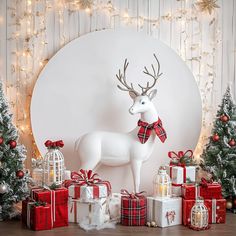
76 93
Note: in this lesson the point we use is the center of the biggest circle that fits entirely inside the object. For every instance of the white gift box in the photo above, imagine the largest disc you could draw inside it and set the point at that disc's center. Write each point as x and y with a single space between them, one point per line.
88 213
164 211
115 206
177 175
86 193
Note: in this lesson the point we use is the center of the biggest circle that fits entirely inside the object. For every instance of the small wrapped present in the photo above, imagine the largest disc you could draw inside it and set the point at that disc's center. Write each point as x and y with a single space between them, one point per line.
180 169
37 215
205 189
216 210
164 211
133 208
86 186
58 199
93 213
114 207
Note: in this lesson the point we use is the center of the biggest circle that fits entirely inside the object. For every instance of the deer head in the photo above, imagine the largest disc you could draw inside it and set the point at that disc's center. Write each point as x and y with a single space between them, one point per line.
142 101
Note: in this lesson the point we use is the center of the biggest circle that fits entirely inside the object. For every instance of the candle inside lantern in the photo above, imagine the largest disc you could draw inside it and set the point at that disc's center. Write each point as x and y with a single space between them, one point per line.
162 190
51 174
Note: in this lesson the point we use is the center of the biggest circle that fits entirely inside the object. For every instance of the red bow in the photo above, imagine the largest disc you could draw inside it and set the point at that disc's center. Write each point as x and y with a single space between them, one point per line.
51 144
146 130
205 183
85 177
132 195
175 157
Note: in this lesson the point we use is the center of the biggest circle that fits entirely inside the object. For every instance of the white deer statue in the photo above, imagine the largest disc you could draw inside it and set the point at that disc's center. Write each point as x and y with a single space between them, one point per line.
134 147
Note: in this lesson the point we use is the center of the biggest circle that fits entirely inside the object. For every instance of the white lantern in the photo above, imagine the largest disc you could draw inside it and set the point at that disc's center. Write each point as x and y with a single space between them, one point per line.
37 171
199 216
162 184
53 165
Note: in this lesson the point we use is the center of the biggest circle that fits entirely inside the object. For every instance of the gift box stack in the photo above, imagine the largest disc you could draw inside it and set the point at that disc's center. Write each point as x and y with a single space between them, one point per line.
183 176
88 199
47 205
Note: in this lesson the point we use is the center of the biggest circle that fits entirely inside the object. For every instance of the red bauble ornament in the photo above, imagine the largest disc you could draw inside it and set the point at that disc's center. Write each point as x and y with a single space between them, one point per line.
232 142
20 174
224 118
216 137
234 202
12 144
1 140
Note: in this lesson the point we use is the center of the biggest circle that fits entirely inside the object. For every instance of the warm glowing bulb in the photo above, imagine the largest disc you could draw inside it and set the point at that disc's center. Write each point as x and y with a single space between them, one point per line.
88 10
29 2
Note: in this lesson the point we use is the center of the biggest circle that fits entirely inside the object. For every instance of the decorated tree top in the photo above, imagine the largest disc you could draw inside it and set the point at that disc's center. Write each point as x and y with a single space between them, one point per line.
13 180
220 153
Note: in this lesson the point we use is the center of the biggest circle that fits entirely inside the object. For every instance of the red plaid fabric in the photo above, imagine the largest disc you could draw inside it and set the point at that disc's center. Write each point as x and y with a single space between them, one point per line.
58 199
146 130
133 211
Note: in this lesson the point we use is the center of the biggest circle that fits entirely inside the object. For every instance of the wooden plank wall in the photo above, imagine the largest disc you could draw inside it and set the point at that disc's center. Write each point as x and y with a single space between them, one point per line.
32 31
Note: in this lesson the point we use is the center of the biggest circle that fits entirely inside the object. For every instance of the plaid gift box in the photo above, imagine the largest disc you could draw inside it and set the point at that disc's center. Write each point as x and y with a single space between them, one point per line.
58 199
37 216
133 209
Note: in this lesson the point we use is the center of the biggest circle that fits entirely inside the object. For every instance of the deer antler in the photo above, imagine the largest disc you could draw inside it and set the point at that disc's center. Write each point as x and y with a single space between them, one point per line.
155 76
122 78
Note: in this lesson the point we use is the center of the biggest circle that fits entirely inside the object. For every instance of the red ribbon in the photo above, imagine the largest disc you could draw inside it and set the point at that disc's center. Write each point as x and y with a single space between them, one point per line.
85 177
51 144
177 156
205 183
125 192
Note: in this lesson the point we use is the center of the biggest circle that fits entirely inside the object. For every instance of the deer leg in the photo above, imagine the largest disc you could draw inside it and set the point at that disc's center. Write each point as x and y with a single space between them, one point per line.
136 170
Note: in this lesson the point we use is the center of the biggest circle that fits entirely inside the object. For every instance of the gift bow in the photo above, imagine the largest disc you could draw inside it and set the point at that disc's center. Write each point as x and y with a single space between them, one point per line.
180 157
51 144
85 177
125 192
205 183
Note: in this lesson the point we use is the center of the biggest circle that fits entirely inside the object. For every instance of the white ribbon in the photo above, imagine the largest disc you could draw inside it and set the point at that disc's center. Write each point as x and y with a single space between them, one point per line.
213 210
29 204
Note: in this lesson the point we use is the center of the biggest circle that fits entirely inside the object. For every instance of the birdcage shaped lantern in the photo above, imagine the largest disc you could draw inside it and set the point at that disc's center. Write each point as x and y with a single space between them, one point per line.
199 216
53 164
162 184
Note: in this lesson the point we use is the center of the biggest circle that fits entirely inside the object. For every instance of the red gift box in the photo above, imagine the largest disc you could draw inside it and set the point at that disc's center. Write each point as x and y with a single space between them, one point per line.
36 217
58 199
133 210
211 191
216 210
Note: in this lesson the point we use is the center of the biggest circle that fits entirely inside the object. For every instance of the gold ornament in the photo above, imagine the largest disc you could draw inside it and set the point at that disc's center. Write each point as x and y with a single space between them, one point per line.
229 204
207 5
85 4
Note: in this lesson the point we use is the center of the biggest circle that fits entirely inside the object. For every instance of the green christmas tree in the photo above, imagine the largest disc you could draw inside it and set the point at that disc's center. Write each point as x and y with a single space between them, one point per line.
13 180
219 156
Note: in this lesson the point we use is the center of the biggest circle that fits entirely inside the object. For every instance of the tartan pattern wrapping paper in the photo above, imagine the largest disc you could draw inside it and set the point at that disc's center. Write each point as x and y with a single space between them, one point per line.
211 191
133 211
58 199
36 217
216 210
146 130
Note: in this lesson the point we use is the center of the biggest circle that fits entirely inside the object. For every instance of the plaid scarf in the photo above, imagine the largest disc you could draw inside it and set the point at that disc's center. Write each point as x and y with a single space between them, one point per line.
146 130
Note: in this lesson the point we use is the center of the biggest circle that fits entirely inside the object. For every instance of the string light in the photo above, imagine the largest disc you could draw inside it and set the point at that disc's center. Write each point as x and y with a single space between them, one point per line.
32 56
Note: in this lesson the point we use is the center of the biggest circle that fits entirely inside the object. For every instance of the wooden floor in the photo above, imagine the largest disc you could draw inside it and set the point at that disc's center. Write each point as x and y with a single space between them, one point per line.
14 228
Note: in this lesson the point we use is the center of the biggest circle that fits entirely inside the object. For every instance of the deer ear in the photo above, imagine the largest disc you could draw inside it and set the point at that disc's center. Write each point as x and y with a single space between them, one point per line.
152 94
132 94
